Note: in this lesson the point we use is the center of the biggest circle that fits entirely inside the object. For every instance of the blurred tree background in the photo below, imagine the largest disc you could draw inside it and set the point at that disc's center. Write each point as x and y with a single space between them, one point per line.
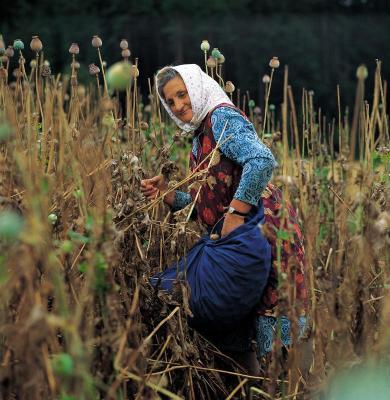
322 41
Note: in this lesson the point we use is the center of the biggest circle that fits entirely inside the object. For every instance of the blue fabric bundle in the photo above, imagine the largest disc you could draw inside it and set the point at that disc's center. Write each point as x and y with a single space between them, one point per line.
226 276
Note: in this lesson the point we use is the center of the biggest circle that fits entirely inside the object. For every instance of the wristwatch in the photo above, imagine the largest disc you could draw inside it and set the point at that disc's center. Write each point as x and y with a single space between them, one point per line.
232 210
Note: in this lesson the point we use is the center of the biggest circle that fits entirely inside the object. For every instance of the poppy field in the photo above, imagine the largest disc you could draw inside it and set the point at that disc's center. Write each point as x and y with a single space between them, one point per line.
79 318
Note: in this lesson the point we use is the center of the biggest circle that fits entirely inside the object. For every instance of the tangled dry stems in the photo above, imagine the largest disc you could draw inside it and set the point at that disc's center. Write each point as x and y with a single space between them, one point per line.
79 288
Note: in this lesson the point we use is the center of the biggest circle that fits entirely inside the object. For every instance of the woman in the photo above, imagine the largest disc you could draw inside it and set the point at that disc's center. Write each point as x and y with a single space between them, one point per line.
230 202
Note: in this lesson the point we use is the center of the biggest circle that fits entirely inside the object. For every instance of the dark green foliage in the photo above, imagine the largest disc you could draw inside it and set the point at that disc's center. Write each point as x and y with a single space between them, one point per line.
322 41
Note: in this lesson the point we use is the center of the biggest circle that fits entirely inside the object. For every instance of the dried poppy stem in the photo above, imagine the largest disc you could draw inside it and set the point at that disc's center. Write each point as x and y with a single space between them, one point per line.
103 72
134 104
146 341
284 124
98 86
154 215
341 200
237 388
195 174
266 103
155 362
49 369
220 80
37 87
221 371
297 150
157 388
359 98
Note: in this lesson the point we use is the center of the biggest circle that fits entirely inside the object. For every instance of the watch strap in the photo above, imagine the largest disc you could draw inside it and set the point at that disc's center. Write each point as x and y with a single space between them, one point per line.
232 210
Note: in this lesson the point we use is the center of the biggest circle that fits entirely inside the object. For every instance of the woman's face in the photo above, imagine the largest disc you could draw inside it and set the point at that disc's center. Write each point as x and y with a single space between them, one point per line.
178 100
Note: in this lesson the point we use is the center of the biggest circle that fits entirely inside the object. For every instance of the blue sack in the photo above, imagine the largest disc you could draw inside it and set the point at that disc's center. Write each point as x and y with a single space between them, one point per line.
226 276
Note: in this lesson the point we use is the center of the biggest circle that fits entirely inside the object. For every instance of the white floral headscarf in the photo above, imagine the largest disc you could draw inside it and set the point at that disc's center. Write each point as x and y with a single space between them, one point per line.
204 92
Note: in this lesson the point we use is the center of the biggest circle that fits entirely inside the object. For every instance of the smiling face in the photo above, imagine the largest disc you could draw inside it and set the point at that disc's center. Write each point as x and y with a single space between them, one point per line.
178 100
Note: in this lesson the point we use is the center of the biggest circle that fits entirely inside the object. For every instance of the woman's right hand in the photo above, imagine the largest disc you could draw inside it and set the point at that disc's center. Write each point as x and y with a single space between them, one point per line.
151 188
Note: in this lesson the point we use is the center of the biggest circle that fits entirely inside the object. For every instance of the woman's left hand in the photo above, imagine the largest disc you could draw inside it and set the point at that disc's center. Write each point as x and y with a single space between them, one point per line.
232 221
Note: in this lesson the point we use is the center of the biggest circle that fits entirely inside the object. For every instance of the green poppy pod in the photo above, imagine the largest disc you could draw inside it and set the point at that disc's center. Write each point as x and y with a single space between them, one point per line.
119 75
11 225
362 72
365 381
52 218
205 45
215 53
18 44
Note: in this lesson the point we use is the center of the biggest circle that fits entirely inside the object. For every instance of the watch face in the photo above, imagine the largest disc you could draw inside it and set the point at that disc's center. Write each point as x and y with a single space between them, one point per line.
231 210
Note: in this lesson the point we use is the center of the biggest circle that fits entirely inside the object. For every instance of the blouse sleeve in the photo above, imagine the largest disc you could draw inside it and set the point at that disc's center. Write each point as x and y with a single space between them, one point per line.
181 200
244 147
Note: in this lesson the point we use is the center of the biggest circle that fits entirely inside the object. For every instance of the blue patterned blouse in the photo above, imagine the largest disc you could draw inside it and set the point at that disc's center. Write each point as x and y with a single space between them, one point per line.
243 147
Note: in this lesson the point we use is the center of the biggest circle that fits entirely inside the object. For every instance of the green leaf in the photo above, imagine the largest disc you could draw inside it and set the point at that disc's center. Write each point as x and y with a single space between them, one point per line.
355 221
283 235
83 267
101 267
66 246
44 185
63 364
323 233
78 194
67 397
376 160
100 262
89 223
3 270
78 237
5 131
322 173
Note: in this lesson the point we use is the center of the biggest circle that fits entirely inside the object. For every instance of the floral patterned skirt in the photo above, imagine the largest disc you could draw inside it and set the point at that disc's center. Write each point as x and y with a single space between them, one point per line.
282 229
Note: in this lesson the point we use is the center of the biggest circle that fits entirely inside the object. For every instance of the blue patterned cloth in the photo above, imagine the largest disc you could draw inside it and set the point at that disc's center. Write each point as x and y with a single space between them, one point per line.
181 200
268 327
243 147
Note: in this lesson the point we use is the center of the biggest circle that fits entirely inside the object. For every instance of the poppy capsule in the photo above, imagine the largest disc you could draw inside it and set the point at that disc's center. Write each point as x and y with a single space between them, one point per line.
36 44
96 41
274 63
